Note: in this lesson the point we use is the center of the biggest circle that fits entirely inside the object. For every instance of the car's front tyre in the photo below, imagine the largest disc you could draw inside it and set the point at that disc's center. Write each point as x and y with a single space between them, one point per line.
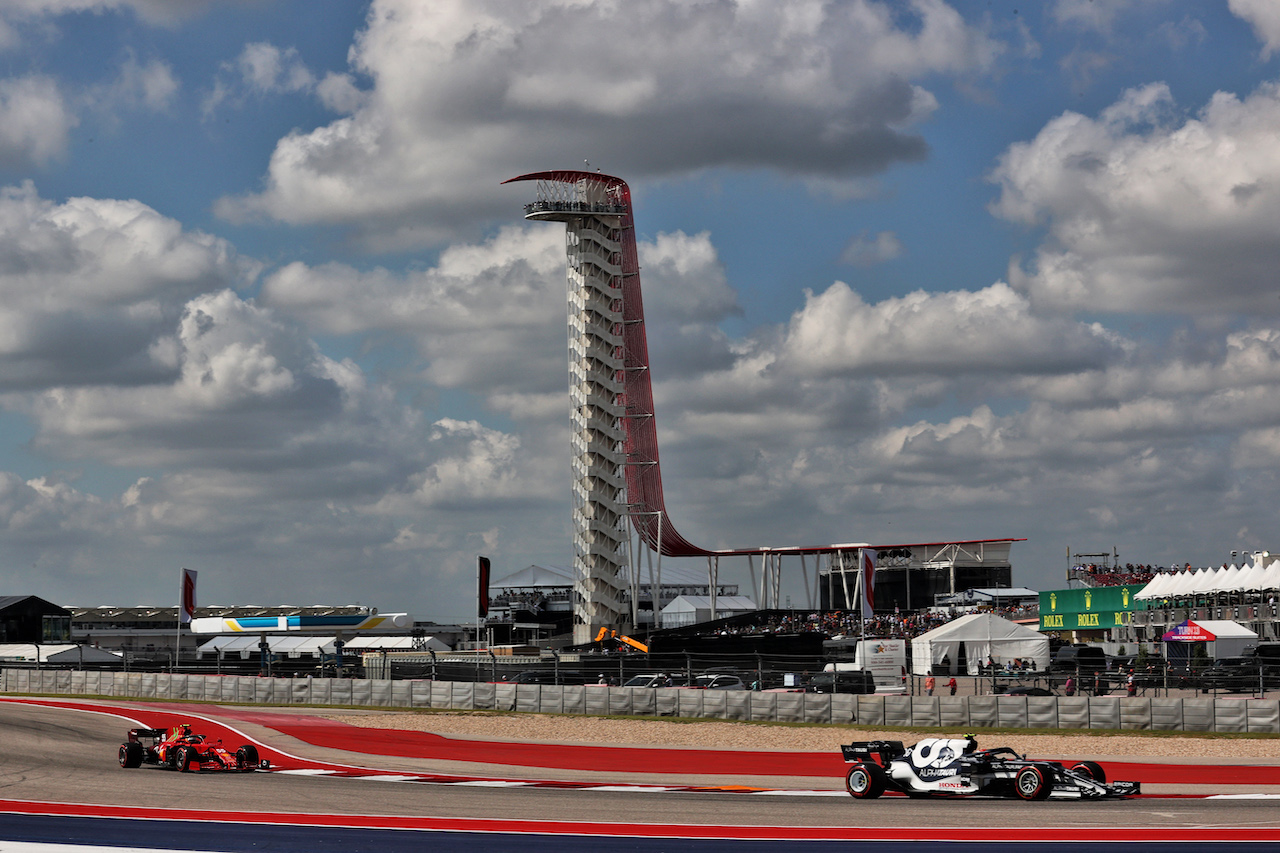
247 758
1032 783
1092 769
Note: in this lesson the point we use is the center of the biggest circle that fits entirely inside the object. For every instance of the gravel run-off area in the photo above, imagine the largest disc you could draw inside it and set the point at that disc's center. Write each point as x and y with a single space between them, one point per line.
716 734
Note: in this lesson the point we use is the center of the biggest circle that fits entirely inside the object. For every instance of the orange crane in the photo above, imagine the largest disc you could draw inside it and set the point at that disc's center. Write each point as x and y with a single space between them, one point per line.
605 633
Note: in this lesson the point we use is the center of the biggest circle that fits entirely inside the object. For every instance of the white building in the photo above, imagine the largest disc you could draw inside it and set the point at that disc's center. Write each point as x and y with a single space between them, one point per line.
692 609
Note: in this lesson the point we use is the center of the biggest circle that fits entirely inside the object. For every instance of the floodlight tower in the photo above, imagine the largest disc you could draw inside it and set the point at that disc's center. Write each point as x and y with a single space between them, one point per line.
596 211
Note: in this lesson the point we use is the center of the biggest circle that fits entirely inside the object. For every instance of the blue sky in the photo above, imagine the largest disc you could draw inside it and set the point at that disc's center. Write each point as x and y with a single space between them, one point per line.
913 271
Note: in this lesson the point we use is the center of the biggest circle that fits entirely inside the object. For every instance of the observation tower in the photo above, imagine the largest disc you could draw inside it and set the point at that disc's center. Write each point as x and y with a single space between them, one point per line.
617 477
596 209
616 474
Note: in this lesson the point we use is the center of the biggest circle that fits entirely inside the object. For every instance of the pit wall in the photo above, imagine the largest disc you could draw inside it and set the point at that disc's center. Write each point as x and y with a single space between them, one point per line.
1201 714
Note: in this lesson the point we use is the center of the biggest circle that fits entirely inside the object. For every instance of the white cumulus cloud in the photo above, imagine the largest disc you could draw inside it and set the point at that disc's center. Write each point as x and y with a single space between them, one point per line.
34 121
804 88
87 286
1264 17
1147 212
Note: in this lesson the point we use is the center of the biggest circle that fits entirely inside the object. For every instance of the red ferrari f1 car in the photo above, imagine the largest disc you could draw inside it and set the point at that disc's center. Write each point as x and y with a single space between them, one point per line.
179 749
956 767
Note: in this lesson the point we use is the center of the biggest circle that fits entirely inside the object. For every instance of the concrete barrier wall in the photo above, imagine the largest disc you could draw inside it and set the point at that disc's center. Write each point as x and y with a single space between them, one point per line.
790 707
737 705
1228 716
715 704
1104 712
1263 716
1203 713
1011 712
1166 714
1197 715
982 711
953 711
897 710
1042 712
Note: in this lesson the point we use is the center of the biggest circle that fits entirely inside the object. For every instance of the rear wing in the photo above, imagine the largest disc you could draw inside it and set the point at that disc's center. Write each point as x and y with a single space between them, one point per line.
135 734
881 751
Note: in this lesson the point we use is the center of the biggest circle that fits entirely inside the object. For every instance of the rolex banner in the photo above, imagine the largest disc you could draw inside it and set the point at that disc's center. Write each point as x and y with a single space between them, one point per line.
1097 608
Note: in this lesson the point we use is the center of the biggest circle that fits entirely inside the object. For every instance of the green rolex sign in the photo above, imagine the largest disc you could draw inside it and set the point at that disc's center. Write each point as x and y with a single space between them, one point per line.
1085 609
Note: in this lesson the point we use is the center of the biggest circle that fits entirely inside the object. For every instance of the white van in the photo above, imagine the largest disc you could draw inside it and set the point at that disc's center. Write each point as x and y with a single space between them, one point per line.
886 659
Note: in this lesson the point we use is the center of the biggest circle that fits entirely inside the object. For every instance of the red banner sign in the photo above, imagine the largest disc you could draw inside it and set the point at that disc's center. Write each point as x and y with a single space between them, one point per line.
1188 632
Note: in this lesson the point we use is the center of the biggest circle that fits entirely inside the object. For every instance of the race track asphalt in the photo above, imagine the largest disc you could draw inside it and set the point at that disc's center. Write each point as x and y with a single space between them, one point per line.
64 753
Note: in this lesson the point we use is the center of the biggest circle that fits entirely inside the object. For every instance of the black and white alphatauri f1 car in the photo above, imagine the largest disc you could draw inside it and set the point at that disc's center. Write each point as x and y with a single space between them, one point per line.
956 767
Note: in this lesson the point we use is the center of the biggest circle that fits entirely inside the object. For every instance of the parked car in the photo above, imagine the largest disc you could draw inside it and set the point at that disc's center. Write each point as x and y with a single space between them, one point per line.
1025 690
656 679
1122 663
842 681
1078 660
545 676
718 682
1154 671
1238 675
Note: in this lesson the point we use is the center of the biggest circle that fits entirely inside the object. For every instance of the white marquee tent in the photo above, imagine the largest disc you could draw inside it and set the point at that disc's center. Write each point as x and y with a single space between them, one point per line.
981 635
1256 577
691 609
57 653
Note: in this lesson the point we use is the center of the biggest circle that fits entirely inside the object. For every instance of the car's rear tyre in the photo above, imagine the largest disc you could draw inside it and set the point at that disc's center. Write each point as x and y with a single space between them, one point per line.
1092 769
865 781
131 754
1031 783
185 760
247 758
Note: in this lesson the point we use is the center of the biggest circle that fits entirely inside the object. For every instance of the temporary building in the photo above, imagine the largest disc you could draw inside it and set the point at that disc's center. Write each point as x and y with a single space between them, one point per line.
395 644
247 646
977 637
56 653
691 609
1258 577
536 577
1223 637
